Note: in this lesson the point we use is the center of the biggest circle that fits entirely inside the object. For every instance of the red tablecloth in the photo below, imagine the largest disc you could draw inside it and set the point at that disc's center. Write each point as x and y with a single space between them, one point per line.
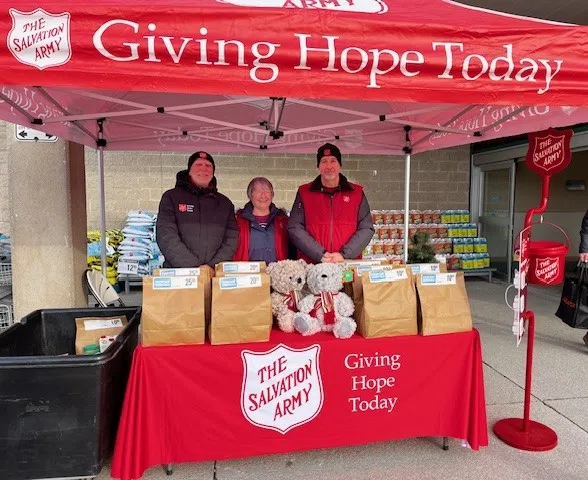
201 403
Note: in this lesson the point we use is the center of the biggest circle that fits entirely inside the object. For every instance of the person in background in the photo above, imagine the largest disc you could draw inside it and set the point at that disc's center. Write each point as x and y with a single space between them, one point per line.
584 250
262 226
196 224
331 219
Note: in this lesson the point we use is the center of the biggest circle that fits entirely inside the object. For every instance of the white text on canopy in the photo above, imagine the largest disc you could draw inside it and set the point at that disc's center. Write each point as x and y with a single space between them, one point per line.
446 60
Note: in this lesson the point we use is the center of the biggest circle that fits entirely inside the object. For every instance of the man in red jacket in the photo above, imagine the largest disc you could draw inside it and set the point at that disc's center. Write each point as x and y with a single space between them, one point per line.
330 219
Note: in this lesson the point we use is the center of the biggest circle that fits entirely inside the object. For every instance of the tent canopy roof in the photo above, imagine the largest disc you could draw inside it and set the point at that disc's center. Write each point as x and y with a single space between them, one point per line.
287 75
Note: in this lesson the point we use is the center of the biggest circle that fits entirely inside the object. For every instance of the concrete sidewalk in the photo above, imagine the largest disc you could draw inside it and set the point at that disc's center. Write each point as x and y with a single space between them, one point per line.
560 400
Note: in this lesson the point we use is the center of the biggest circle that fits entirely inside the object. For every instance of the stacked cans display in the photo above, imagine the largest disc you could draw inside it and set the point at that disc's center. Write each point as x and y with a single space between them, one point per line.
451 234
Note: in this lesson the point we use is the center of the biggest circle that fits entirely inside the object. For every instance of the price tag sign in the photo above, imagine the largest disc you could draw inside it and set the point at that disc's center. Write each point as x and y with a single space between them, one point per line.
435 279
174 283
101 324
241 267
241 281
128 267
425 268
179 272
379 276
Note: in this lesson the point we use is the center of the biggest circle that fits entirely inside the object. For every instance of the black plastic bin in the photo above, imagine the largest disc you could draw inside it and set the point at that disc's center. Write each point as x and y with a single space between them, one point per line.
59 414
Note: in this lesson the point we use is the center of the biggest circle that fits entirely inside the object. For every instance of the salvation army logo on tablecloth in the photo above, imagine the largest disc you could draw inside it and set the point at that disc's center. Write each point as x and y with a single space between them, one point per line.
362 6
39 38
282 388
547 269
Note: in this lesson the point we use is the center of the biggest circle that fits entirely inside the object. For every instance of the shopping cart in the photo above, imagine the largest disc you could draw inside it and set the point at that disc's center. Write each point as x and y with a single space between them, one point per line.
6 319
5 274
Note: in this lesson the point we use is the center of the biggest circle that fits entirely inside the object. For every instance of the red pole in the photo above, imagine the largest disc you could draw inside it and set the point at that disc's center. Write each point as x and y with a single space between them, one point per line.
543 205
530 317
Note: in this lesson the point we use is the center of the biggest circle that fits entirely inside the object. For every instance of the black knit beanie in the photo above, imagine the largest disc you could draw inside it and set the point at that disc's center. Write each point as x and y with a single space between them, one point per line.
328 150
204 155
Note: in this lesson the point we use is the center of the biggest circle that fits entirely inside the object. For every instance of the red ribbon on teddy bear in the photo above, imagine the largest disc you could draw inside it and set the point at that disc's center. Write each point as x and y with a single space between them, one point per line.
325 301
291 300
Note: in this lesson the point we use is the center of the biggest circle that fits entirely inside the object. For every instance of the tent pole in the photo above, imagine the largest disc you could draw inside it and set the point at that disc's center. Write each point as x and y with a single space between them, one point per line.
102 195
407 153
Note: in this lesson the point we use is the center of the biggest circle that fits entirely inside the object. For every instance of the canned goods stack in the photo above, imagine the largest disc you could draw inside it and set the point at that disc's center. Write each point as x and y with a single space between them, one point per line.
451 233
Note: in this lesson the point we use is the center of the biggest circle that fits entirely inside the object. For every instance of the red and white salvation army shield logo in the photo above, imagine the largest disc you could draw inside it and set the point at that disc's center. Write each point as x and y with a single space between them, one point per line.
39 38
547 269
549 151
282 388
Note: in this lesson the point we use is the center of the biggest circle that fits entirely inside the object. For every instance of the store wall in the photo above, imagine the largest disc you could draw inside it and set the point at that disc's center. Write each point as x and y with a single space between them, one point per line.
136 180
4 197
565 208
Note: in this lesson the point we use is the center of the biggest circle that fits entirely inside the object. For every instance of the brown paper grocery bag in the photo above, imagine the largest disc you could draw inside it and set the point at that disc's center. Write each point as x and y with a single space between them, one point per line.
355 288
444 304
173 310
389 304
241 309
246 268
205 273
90 329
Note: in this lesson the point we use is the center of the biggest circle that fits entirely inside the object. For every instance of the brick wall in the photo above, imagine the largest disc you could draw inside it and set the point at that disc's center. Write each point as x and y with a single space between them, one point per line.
138 179
4 197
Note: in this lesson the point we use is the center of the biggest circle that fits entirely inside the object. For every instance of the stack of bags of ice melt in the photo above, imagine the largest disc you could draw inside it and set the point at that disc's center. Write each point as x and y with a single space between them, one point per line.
139 246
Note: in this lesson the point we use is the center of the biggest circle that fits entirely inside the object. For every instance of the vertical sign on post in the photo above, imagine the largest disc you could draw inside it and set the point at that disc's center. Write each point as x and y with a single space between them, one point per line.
520 305
549 153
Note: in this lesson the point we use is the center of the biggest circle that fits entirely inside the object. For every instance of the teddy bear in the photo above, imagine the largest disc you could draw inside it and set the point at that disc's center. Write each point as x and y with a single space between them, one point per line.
287 280
327 309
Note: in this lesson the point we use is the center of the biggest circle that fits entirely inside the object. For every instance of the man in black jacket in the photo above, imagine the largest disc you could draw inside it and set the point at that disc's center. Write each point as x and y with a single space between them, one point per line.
196 225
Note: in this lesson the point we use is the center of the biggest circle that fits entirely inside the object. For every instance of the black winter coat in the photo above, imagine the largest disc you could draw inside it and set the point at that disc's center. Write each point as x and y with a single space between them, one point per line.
195 226
584 234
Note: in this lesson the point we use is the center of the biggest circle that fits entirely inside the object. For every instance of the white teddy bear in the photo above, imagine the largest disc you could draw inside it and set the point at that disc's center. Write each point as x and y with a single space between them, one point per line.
287 279
327 309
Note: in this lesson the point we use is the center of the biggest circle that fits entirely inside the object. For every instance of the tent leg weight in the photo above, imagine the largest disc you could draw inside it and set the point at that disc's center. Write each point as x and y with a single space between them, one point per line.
169 469
445 443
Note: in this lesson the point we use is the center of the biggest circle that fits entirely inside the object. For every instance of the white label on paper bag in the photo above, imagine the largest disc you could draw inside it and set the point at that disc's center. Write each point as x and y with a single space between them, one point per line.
241 281
436 279
179 272
371 268
381 276
242 267
174 283
363 263
100 324
425 268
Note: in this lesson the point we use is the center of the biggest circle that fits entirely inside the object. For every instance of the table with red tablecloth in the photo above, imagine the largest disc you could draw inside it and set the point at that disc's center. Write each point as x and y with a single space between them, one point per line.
203 402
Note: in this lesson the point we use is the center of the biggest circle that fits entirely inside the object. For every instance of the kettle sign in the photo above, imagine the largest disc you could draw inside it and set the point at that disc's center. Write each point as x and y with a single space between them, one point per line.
549 151
40 39
547 269
282 388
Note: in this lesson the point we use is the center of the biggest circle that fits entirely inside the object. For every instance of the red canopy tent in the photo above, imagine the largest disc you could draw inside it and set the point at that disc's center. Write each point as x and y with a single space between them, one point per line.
377 76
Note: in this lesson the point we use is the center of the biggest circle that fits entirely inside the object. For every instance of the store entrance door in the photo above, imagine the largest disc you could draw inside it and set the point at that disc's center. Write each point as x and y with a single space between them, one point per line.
497 214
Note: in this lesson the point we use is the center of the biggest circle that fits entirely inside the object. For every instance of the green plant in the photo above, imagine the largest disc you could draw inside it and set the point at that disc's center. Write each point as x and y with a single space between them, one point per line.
420 251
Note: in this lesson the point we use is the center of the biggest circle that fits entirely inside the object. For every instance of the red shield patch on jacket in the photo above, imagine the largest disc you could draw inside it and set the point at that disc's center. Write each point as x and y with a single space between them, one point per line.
182 207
